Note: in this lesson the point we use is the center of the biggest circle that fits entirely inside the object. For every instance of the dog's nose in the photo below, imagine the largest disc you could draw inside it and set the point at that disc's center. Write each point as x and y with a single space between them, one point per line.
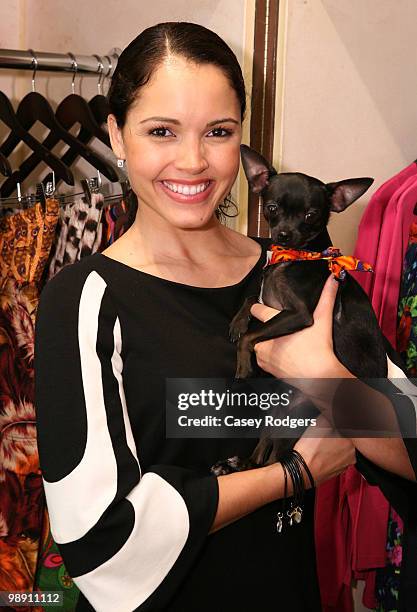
283 236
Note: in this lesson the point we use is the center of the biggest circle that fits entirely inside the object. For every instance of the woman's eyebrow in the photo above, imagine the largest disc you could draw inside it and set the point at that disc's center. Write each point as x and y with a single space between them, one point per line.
176 122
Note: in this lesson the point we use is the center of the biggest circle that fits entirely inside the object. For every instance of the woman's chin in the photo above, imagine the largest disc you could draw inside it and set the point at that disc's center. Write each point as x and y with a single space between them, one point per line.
194 221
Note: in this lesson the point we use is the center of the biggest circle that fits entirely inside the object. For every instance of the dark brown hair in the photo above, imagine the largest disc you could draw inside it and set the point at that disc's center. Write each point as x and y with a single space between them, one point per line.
147 51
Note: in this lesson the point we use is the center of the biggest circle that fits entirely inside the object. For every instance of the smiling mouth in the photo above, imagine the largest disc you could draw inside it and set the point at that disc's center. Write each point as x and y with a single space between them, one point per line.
187 189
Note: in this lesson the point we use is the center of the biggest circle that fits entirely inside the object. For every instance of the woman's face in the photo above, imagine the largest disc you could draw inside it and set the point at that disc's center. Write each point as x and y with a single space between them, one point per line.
182 135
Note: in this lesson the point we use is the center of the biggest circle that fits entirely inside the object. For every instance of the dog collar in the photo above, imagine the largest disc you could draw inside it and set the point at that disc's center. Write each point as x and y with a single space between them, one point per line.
338 263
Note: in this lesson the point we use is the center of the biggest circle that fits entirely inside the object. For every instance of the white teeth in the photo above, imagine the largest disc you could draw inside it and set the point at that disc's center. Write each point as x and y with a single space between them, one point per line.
186 189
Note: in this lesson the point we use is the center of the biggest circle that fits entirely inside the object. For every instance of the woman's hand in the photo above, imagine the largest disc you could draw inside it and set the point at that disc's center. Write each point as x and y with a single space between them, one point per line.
307 353
326 456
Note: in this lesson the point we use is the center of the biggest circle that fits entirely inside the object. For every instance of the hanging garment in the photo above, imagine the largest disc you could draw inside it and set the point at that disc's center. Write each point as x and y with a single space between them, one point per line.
93 228
51 573
80 232
407 306
387 584
388 578
75 231
386 300
25 241
371 223
61 239
391 252
350 543
117 221
389 208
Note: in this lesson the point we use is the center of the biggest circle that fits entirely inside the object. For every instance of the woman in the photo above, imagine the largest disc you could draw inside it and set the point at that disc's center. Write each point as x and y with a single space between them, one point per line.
139 520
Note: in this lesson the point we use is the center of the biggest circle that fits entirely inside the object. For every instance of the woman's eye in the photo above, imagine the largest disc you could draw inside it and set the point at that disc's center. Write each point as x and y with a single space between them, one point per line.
225 131
159 132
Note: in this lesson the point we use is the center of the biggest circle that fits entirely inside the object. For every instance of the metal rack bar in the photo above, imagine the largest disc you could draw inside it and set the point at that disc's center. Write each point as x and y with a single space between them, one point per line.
59 62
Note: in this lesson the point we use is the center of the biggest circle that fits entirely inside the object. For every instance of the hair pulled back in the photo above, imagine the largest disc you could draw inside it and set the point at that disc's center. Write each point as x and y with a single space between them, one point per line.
146 52
143 56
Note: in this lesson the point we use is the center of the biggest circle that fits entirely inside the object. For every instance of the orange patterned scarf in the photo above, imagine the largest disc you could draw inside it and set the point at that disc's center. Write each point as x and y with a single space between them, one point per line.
338 263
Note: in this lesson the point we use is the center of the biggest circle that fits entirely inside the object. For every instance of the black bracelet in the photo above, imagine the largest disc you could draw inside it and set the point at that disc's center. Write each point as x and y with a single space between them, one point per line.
292 464
296 477
295 512
280 515
305 466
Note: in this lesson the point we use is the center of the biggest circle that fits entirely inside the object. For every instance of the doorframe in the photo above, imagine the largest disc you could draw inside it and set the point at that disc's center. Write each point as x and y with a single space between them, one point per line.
264 98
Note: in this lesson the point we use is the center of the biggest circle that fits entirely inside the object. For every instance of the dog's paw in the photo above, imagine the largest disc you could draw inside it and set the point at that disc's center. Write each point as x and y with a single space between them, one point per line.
228 466
238 327
233 464
244 367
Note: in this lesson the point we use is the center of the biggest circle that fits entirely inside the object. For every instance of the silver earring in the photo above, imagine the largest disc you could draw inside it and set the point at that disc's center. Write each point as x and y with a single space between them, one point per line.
120 163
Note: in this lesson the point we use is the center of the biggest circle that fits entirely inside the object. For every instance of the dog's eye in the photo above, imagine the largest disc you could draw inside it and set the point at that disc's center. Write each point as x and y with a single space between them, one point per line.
272 208
310 216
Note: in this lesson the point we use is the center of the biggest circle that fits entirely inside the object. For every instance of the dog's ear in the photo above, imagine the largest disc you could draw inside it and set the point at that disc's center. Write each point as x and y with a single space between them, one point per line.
257 169
344 193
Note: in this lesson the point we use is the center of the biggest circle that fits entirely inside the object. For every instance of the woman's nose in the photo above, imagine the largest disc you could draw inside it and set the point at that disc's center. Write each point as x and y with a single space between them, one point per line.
191 156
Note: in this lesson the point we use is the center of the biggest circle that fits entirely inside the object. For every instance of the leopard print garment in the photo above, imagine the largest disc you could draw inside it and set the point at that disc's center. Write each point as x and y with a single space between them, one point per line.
25 242
80 233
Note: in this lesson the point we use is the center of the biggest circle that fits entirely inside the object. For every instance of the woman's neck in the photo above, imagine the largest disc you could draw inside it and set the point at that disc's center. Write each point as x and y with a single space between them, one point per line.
158 240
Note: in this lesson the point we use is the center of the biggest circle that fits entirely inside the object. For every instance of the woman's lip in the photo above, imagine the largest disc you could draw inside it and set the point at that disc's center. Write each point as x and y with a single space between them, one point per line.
188 199
199 181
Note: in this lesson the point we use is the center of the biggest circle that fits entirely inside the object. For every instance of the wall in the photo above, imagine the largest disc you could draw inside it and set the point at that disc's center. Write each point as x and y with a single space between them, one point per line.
97 27
348 105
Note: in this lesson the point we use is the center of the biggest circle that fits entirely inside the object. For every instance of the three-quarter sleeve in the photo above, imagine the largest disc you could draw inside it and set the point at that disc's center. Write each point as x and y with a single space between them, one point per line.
402 393
128 537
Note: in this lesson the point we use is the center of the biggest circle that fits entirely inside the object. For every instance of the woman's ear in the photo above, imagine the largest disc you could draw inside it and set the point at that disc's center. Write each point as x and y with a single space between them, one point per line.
116 138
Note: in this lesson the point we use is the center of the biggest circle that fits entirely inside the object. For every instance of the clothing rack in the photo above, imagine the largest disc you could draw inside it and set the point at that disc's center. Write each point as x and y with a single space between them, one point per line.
60 62
101 65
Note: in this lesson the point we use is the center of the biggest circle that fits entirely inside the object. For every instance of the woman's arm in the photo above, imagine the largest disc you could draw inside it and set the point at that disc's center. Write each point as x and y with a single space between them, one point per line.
281 357
244 492
128 535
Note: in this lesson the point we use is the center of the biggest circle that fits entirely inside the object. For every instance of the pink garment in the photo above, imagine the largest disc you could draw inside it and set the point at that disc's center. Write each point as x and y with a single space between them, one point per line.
350 542
393 245
371 223
352 516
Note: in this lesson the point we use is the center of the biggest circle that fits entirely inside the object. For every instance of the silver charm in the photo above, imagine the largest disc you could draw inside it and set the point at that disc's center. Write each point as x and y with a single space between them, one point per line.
298 514
279 522
120 163
290 514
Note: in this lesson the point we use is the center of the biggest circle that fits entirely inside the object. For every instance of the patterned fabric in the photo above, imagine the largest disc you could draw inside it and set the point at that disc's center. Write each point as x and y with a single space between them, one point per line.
93 228
80 233
338 263
25 240
52 574
388 579
61 240
117 220
76 227
407 307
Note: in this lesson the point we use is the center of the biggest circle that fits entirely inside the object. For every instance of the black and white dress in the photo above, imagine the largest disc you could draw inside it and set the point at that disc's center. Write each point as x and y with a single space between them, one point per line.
130 509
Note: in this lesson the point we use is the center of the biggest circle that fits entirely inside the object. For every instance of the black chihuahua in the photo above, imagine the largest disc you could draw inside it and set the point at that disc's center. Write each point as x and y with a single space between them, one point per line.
297 208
